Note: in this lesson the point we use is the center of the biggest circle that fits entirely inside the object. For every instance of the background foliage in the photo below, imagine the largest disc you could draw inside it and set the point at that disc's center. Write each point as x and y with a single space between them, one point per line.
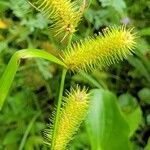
121 116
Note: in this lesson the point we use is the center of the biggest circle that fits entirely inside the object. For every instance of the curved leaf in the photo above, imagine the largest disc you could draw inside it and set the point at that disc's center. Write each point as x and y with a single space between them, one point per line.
131 110
11 69
106 125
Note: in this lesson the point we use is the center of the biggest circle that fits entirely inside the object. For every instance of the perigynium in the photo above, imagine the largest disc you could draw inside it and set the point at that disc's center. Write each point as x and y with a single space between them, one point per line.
114 45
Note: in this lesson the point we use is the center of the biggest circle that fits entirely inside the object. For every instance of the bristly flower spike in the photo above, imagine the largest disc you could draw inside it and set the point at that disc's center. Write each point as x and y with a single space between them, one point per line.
103 50
73 112
65 14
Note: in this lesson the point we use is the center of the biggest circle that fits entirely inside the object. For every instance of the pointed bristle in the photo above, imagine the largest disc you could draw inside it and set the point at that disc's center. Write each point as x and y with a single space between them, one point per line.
72 114
63 13
114 45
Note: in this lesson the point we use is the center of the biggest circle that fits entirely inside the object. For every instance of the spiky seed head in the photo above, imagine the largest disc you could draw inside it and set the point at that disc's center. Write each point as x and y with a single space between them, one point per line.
114 45
64 14
73 112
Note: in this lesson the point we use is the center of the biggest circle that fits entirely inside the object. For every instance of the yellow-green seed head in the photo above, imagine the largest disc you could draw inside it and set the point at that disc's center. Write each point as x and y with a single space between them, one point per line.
101 51
64 14
72 114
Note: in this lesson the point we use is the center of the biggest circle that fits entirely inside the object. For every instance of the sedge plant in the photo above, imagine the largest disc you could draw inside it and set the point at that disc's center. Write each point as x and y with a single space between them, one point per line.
114 45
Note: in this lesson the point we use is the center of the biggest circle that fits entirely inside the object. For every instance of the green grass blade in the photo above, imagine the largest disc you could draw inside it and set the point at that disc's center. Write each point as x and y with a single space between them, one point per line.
11 69
29 127
90 79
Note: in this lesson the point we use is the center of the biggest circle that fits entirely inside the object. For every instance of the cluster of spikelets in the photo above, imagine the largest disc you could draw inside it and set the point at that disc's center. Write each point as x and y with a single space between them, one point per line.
114 45
72 114
100 51
65 14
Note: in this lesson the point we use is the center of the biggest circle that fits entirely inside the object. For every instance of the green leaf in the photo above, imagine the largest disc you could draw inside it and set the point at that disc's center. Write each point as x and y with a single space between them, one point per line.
20 7
148 145
138 64
145 32
131 110
23 141
11 137
32 142
118 5
3 5
11 69
144 95
106 125
134 119
148 119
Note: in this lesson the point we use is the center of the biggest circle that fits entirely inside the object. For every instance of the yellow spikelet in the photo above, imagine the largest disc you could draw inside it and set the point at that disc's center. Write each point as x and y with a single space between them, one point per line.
64 14
101 51
72 114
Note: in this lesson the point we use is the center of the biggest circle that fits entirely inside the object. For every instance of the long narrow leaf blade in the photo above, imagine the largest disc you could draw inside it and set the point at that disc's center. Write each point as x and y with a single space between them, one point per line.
11 69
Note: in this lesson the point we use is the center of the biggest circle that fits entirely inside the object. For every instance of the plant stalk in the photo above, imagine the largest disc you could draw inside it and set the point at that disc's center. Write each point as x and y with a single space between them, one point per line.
58 107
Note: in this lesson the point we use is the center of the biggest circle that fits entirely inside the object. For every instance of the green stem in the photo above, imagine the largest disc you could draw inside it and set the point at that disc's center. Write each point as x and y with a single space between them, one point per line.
69 41
90 79
58 107
23 141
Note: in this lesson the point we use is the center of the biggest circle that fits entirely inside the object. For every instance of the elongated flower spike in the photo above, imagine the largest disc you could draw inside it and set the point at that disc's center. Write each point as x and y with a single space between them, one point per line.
114 45
72 114
64 14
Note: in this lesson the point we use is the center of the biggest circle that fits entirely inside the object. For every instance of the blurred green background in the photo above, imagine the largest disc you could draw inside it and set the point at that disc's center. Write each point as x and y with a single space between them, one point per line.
33 94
